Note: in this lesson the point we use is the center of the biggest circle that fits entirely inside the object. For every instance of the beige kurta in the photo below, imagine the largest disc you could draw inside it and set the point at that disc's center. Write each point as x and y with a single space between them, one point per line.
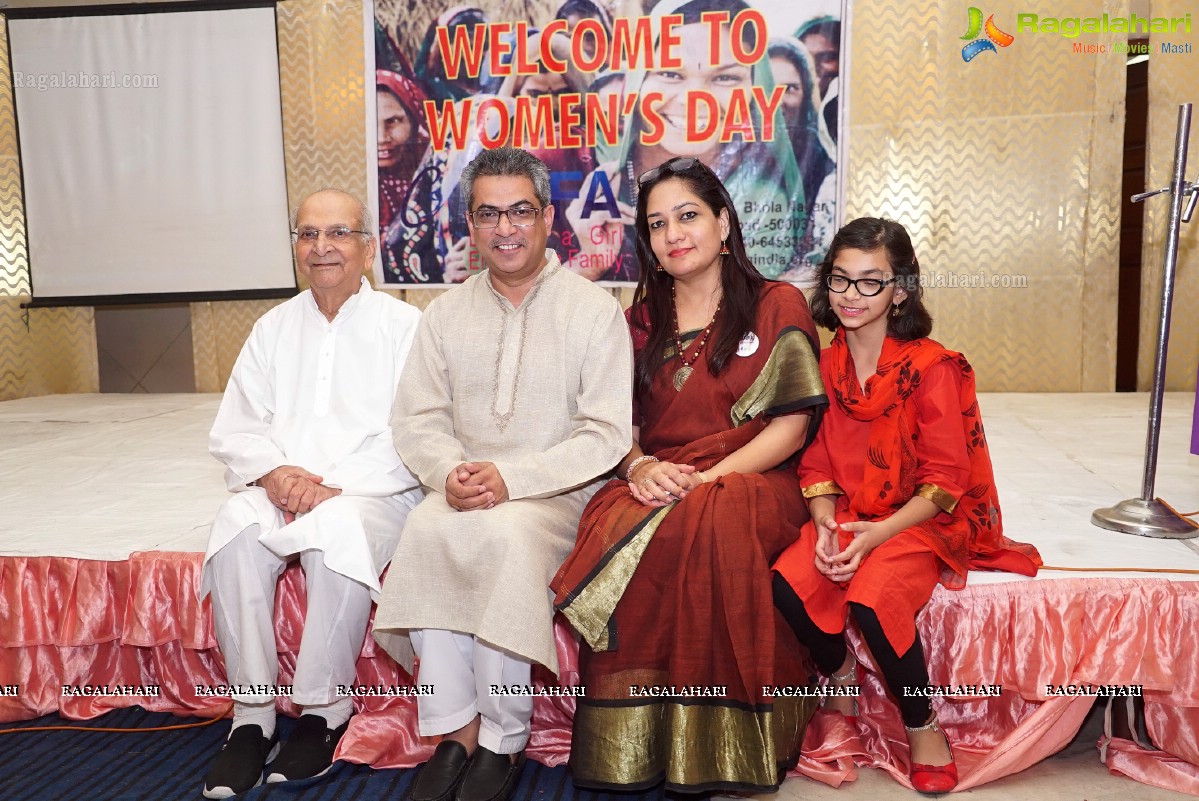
544 391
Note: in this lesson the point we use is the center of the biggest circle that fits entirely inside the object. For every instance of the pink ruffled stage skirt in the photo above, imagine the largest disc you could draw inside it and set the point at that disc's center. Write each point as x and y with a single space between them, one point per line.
66 621
1034 639
77 622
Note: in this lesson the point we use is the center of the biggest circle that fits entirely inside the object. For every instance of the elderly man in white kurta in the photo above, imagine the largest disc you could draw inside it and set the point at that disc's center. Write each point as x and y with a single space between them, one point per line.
304 432
512 406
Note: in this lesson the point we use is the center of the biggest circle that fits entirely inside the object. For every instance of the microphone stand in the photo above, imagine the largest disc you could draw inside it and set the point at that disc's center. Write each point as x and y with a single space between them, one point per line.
1148 516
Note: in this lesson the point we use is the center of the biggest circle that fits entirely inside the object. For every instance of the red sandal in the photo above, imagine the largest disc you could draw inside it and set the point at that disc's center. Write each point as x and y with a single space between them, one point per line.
934 779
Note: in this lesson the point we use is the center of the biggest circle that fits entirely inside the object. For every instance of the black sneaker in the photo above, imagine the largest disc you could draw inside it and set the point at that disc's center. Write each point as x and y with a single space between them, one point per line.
238 766
308 752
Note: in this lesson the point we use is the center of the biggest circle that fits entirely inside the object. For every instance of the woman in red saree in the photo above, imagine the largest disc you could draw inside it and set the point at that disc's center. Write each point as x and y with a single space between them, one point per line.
669 584
898 482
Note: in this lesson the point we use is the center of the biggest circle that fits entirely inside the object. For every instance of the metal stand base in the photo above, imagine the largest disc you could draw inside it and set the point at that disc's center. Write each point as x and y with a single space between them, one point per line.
1145 519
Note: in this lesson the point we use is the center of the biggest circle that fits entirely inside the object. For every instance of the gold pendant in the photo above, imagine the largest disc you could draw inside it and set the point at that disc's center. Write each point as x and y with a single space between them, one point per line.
680 377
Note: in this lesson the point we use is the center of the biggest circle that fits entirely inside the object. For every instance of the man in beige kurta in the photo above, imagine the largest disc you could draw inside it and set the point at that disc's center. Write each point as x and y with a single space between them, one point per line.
513 406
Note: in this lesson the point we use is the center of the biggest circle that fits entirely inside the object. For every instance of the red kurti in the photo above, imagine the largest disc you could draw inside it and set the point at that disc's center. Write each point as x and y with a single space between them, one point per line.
914 429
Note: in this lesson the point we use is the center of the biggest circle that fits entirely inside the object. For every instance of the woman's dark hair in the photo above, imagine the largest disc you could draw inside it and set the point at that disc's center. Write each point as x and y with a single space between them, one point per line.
869 234
588 9
413 114
740 281
692 13
826 26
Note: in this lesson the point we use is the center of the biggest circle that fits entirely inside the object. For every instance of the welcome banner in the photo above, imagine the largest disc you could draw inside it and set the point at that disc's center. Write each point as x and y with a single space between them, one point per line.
603 91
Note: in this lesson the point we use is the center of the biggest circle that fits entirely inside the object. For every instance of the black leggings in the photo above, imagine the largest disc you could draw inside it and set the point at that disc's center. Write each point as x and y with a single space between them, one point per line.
828 651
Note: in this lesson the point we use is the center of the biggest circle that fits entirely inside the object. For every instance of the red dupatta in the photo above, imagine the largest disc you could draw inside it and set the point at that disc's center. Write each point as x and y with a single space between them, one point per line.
971 537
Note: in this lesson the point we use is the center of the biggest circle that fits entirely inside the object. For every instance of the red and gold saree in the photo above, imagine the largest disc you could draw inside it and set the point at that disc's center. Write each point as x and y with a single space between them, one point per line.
682 644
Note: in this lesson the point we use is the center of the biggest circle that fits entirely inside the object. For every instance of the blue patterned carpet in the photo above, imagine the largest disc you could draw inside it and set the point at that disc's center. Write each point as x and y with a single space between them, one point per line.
166 766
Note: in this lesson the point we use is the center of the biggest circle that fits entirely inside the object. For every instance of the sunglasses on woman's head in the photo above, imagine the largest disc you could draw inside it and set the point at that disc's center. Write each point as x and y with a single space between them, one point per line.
675 165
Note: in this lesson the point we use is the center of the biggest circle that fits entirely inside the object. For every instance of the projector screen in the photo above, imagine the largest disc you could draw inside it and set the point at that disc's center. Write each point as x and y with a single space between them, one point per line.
152 155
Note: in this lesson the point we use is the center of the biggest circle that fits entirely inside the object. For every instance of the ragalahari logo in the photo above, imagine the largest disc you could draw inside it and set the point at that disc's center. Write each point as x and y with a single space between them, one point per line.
976 45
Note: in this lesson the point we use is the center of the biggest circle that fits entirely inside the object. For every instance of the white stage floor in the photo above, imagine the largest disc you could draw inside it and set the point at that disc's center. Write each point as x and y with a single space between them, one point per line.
101 476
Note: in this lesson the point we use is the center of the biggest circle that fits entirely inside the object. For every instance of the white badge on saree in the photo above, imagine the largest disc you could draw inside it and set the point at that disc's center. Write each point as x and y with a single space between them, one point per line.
748 345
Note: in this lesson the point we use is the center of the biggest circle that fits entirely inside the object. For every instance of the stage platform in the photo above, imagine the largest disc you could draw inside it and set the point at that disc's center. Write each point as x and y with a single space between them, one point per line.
105 502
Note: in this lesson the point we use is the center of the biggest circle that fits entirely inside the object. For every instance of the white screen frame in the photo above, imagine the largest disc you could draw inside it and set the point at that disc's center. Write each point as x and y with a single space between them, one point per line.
166 181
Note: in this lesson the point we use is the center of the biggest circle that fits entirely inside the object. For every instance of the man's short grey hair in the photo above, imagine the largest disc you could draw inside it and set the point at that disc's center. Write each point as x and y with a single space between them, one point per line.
366 220
506 161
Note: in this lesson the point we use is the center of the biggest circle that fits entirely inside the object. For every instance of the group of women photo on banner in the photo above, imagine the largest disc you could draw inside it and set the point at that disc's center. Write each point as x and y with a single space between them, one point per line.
785 168
784 513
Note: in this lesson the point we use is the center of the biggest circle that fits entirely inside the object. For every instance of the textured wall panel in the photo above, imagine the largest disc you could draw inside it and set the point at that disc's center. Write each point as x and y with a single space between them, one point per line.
218 332
1005 170
55 354
1173 79
321 70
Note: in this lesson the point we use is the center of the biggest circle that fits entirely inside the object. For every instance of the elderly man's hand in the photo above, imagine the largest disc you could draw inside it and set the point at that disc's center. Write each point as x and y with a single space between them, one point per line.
295 491
306 495
475 485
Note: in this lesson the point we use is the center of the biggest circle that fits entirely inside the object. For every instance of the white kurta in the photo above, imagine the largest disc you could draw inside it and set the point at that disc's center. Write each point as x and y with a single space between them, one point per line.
544 391
318 395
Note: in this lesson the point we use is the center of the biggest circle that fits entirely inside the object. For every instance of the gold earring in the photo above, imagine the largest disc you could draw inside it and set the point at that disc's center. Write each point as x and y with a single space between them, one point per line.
724 248
658 266
895 310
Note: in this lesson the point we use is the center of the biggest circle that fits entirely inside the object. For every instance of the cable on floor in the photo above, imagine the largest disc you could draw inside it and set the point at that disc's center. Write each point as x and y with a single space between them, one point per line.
1122 569
178 727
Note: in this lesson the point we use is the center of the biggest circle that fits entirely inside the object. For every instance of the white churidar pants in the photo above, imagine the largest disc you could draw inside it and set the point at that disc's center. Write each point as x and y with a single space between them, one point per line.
244 574
462 670
356 535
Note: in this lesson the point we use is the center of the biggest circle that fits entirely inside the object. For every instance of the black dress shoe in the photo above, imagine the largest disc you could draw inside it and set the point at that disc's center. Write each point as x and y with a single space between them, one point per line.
440 776
490 777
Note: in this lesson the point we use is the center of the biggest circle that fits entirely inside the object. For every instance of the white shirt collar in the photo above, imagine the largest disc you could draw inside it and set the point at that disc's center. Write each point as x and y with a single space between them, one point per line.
347 308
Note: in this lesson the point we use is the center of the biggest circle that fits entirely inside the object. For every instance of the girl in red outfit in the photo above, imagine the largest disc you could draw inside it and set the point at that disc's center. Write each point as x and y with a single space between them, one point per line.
898 483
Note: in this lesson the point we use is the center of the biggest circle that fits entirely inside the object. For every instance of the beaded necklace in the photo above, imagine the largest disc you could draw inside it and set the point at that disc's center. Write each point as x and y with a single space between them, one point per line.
683 373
